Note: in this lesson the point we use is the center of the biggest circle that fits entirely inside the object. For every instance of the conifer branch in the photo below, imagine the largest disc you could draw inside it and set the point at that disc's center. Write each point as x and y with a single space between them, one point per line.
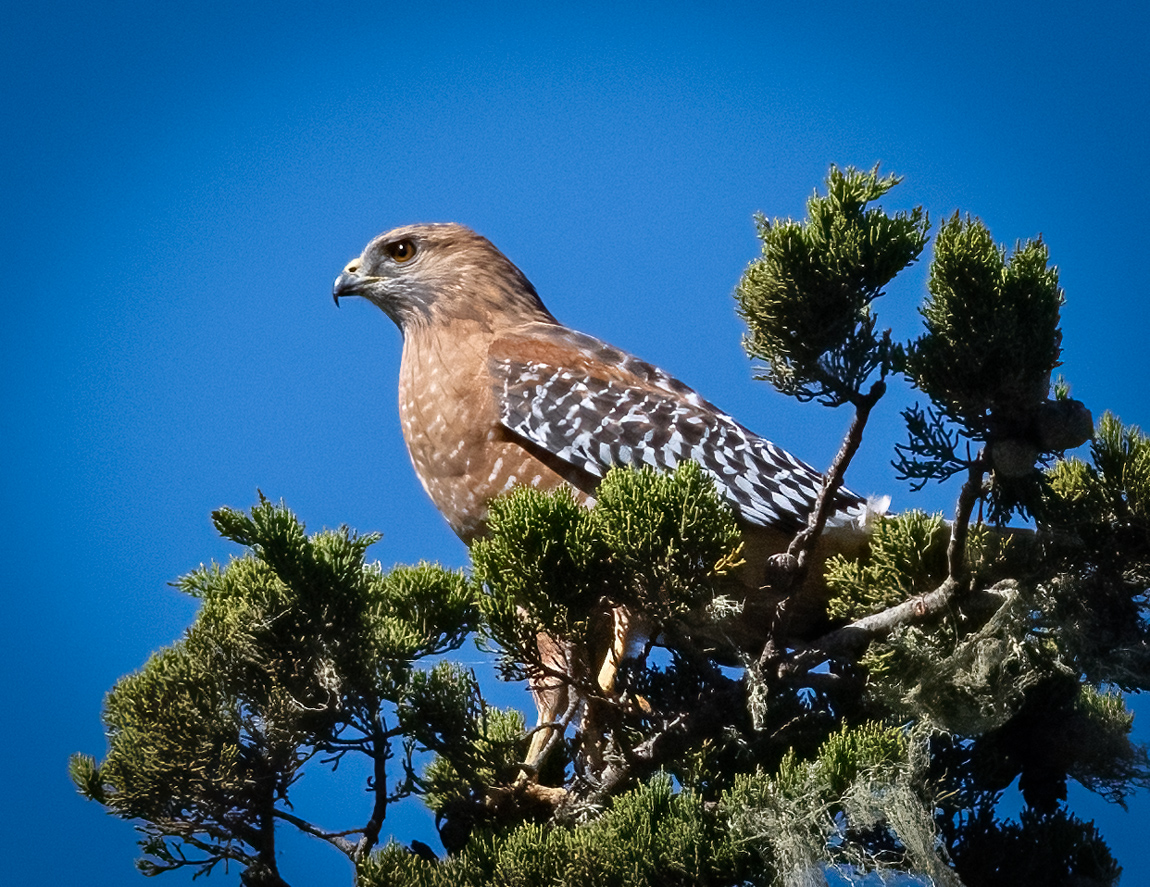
967 497
805 540
336 839
792 566
381 751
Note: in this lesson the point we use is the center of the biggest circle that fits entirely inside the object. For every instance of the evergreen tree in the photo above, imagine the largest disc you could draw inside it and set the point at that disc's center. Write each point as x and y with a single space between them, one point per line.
952 659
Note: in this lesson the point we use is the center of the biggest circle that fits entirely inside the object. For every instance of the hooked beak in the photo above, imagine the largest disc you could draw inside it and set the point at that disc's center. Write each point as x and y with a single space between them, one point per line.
348 283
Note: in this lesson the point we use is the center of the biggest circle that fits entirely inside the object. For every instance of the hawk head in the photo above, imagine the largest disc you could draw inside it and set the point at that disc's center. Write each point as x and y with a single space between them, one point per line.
421 275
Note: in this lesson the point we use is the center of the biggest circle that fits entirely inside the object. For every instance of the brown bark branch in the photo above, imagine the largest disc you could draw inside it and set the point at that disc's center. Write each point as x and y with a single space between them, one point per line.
967 497
380 749
805 540
796 561
336 839
851 640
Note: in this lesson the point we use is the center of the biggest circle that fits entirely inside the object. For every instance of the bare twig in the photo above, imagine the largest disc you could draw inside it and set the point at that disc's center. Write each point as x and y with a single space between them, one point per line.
381 751
804 541
796 561
336 839
851 640
967 497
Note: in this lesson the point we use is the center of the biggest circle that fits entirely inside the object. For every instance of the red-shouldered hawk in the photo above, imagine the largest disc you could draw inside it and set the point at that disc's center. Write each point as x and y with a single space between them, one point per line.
494 392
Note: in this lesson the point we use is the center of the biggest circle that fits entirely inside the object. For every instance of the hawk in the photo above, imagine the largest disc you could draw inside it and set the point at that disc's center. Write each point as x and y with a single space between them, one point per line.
495 392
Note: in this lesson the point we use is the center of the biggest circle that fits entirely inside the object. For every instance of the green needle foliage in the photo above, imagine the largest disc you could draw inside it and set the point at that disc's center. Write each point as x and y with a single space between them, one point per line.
660 544
1098 515
865 713
907 556
992 335
992 340
672 839
808 300
300 648
654 835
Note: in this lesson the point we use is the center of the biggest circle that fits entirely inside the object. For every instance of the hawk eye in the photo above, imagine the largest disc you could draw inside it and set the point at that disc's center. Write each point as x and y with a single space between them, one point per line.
401 251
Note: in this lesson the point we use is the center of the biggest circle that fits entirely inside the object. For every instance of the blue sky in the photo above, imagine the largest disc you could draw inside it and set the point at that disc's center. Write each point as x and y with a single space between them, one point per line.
181 184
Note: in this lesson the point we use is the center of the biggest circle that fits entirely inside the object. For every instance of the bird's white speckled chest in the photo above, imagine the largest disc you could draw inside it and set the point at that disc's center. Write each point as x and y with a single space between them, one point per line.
462 454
